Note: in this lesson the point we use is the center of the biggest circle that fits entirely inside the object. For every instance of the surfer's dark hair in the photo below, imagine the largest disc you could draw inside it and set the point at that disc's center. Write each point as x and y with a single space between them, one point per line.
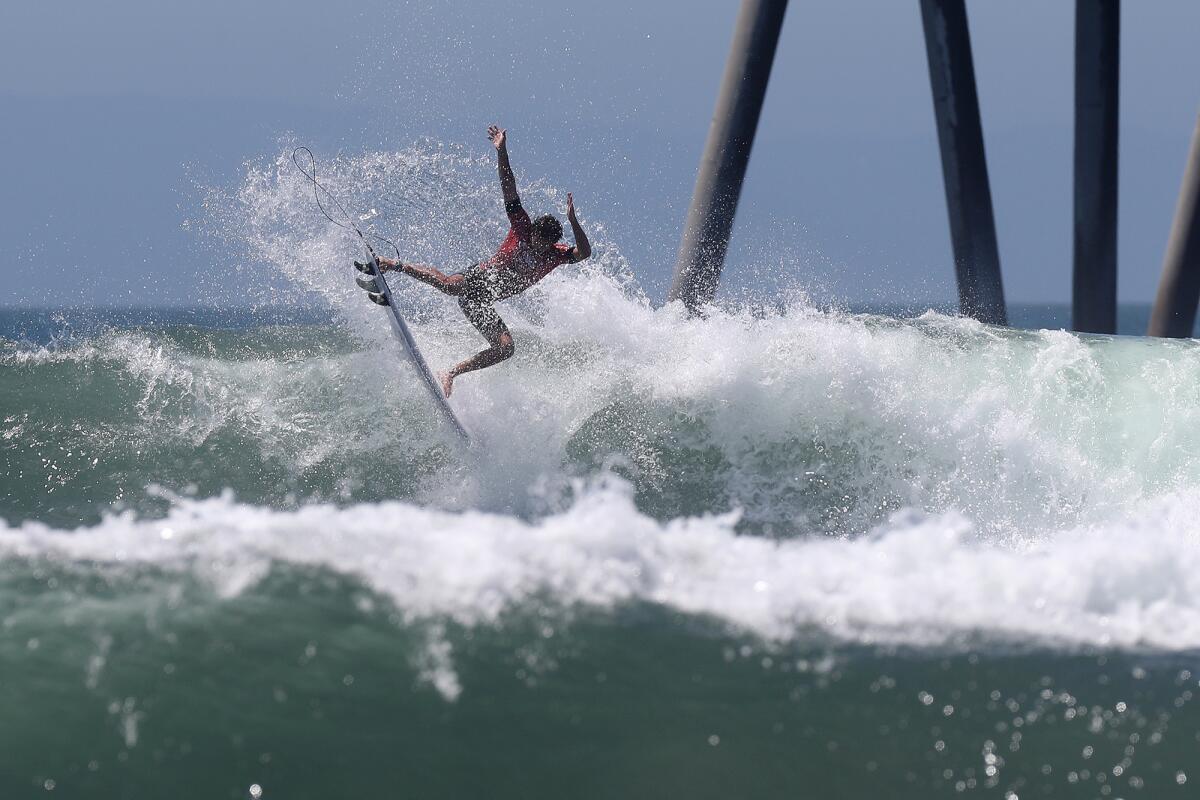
547 227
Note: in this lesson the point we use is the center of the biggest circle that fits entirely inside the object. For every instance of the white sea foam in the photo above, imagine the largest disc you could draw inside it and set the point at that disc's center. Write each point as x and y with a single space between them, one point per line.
919 580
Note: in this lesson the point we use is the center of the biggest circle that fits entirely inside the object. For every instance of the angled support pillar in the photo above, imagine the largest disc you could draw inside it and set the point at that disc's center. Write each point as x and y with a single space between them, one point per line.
1097 93
964 165
727 153
1179 288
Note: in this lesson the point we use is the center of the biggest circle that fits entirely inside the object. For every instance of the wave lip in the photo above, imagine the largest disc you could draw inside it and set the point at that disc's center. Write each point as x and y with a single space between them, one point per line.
924 581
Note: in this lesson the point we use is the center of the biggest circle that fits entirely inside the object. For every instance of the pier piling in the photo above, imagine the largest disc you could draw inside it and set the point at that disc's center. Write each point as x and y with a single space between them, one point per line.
964 164
1174 311
1097 94
727 152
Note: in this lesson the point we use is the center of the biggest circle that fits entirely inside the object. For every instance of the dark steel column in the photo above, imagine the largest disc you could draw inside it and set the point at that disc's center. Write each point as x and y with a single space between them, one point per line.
1179 288
727 152
1097 92
964 165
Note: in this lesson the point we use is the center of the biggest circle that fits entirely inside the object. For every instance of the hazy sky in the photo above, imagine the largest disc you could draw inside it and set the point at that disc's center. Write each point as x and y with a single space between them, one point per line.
111 111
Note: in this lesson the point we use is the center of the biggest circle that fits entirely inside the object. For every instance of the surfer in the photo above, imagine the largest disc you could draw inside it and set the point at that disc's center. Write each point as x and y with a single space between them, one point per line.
530 252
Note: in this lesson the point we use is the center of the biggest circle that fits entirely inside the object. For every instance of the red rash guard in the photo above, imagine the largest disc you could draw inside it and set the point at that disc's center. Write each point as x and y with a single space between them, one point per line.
515 265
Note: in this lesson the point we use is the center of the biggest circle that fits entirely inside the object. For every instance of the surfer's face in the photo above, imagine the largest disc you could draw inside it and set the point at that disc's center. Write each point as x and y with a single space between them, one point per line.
540 243
546 231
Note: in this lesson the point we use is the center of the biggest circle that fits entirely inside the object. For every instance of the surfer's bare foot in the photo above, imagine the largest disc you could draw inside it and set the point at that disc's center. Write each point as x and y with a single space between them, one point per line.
447 383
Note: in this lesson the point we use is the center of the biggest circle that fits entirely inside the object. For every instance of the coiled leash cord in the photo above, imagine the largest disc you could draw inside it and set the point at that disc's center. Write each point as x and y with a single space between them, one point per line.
318 189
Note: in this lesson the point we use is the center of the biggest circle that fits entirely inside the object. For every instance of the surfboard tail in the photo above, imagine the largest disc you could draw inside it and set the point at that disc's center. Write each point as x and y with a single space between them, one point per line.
373 281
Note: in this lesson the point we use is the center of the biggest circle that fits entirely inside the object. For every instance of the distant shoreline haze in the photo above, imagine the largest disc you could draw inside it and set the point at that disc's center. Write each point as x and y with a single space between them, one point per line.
41 324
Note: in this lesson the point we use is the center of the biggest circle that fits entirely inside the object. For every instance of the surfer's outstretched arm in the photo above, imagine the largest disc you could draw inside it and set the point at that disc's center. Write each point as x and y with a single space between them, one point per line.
508 181
583 248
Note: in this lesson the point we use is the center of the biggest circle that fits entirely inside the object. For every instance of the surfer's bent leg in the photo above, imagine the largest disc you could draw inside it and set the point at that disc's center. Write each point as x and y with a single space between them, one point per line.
482 314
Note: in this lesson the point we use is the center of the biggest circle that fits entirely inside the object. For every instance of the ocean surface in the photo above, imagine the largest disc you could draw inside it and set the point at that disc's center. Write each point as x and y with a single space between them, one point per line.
781 551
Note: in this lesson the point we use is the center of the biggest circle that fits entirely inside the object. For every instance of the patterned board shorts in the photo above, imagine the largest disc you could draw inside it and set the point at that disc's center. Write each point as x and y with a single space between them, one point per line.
478 303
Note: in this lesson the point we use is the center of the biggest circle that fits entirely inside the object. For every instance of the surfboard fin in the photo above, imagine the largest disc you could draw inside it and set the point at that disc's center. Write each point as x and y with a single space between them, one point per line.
377 298
367 283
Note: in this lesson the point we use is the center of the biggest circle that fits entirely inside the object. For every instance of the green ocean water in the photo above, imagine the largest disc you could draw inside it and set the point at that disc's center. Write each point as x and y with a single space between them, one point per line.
324 701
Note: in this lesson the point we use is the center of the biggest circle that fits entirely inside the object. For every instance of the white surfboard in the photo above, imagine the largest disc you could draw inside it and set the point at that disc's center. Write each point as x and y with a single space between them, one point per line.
408 347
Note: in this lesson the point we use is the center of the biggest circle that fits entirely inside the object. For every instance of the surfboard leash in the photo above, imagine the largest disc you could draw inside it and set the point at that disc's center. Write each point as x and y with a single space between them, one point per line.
318 188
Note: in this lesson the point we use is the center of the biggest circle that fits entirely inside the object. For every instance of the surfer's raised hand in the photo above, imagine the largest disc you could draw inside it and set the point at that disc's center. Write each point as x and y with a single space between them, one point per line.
496 134
508 181
583 247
